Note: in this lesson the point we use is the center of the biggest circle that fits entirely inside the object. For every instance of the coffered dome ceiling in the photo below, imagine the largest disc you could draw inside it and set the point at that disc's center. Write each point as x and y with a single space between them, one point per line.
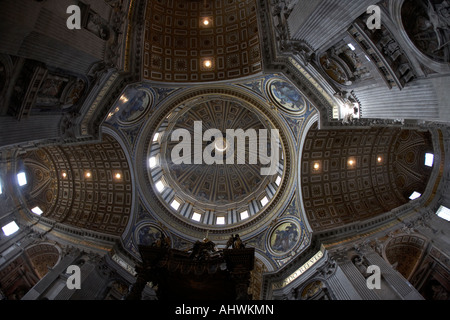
218 198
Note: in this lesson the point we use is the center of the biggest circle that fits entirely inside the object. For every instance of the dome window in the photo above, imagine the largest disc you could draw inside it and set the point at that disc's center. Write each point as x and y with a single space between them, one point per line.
160 186
152 162
429 159
196 216
175 204
244 215
220 220
264 201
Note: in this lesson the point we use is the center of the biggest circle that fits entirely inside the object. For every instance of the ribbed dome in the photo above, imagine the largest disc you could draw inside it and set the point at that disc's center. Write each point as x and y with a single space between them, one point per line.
220 186
234 185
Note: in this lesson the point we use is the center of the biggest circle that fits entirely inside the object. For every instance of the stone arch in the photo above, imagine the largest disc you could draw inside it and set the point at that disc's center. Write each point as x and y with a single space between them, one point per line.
42 257
405 252
398 14
354 175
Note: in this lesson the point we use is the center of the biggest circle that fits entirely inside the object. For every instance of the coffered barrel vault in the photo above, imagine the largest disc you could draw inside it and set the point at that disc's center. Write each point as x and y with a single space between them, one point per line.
201 40
353 175
85 186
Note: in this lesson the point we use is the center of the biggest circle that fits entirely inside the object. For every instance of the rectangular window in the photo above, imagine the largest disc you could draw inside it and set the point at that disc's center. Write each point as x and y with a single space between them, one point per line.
160 186
220 220
175 204
196 217
37 211
444 213
152 162
429 159
278 181
264 201
244 215
415 195
22 178
10 228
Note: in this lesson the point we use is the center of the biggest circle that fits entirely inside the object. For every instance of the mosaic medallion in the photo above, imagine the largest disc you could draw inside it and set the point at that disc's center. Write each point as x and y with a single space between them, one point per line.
284 237
286 97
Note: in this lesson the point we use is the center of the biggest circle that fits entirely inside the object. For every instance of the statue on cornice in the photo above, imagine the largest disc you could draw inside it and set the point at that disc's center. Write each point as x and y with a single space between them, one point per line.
68 125
204 250
162 242
298 48
328 269
281 28
350 103
235 242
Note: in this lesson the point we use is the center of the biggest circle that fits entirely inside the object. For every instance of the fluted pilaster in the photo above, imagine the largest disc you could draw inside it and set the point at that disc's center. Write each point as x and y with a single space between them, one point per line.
358 281
321 21
341 287
38 128
43 36
417 101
